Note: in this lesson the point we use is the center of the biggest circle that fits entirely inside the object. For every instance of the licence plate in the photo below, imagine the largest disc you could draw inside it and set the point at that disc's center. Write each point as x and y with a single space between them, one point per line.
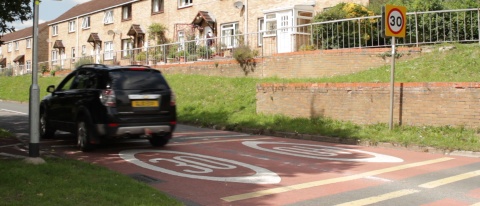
145 103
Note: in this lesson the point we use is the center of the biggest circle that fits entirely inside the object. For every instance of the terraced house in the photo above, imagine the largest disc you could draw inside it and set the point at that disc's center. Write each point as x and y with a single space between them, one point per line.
16 51
122 31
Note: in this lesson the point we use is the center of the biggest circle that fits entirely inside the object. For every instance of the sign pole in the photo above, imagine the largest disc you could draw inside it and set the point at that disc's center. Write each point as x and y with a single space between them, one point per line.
392 84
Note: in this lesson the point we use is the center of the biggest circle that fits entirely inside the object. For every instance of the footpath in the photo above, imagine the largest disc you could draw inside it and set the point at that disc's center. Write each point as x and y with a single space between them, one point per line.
16 146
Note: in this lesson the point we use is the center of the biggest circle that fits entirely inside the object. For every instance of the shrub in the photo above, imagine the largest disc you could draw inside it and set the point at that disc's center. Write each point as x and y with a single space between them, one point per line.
83 60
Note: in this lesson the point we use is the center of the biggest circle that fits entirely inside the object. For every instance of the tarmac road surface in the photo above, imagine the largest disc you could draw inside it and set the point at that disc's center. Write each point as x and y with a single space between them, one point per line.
211 167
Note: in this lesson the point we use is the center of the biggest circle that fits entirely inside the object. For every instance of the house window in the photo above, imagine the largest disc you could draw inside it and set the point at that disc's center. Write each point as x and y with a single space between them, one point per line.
86 22
9 47
270 24
126 48
181 39
54 57
54 30
29 43
108 50
127 12
303 18
71 26
228 35
84 50
157 6
261 26
29 66
17 47
73 54
184 3
108 18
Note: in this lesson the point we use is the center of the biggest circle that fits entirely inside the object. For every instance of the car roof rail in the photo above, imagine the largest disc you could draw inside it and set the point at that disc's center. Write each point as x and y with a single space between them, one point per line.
138 65
92 65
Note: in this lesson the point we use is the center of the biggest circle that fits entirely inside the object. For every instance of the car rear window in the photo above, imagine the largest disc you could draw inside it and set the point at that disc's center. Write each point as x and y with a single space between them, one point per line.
137 79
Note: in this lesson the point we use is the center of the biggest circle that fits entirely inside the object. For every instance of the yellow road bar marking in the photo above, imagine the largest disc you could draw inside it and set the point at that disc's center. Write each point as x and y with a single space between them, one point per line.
379 198
448 180
329 181
217 141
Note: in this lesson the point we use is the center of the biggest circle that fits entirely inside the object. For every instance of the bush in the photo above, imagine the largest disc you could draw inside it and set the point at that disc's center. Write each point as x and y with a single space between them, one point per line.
205 52
141 56
83 60
340 35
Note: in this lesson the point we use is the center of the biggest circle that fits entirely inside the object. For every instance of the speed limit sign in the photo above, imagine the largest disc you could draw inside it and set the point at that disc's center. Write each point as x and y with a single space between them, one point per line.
394 20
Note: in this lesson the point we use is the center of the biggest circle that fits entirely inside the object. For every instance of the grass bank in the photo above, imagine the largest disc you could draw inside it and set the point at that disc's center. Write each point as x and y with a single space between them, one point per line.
70 182
229 103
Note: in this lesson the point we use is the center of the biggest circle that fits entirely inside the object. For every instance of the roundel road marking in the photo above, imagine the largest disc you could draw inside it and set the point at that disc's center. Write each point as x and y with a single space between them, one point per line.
320 152
198 166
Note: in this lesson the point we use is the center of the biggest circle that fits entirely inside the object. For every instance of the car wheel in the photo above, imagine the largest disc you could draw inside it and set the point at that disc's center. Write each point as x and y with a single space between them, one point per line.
46 131
160 141
84 134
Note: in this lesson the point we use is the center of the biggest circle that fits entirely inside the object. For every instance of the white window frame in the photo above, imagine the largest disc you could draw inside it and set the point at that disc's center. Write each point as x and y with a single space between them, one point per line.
229 32
270 24
17 46
73 54
302 30
108 18
261 31
126 12
29 43
54 30
86 22
127 47
157 6
29 66
84 50
108 54
72 26
181 39
184 3
9 47
54 57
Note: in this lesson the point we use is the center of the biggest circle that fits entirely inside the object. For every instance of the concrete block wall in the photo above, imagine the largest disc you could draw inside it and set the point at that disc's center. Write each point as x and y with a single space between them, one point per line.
419 104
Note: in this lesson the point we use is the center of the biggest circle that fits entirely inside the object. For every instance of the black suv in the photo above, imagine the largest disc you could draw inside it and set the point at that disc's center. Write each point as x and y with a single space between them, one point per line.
98 103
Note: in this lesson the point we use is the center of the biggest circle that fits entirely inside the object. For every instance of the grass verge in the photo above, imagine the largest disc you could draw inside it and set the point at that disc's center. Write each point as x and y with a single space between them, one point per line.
70 182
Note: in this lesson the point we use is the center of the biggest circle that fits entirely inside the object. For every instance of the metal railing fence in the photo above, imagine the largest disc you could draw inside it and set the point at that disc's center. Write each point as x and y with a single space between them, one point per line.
364 32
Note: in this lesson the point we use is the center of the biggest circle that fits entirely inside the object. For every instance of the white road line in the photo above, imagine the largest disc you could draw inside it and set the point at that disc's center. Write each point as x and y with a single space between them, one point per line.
10 145
216 141
217 136
11 155
12 111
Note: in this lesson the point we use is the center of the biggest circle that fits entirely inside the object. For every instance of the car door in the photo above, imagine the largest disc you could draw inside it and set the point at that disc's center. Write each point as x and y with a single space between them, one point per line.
57 107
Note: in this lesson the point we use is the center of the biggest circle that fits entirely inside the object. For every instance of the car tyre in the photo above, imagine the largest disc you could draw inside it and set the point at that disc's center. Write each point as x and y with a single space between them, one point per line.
84 134
46 130
160 141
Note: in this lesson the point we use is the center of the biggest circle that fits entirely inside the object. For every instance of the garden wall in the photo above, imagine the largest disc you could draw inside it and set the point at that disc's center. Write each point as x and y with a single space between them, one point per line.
419 104
307 64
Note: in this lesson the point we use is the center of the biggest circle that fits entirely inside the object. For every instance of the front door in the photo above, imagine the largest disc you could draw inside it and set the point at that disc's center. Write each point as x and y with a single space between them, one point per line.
284 22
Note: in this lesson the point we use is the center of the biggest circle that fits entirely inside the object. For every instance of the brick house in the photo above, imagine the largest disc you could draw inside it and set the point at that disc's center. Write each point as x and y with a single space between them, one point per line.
16 51
106 30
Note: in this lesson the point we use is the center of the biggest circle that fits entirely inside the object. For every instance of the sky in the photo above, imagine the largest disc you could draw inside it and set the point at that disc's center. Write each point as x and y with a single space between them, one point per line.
49 10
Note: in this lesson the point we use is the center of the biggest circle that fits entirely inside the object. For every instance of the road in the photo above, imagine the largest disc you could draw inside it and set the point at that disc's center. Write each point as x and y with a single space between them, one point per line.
210 167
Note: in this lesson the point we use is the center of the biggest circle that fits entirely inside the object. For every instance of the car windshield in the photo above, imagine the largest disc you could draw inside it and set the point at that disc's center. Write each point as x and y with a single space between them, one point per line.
137 80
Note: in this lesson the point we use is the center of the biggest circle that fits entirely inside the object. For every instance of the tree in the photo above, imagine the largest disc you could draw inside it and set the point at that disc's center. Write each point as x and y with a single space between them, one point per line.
11 11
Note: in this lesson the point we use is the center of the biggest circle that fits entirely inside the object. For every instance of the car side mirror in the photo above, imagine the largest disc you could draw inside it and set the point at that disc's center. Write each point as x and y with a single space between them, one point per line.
51 88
